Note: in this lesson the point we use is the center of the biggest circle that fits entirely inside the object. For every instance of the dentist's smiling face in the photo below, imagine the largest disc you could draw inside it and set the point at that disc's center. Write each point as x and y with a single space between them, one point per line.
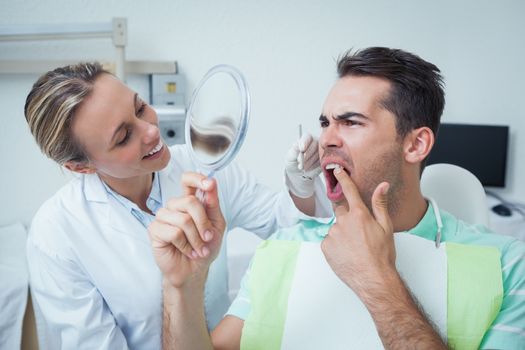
119 131
360 135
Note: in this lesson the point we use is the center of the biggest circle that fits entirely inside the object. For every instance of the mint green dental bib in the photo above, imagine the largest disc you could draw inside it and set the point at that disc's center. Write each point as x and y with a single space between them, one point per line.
297 302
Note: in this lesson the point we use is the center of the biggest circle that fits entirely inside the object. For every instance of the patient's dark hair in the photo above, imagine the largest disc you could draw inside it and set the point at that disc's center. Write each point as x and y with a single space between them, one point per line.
416 97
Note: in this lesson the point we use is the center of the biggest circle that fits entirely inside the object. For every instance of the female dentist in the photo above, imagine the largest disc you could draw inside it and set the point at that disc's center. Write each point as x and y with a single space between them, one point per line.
93 277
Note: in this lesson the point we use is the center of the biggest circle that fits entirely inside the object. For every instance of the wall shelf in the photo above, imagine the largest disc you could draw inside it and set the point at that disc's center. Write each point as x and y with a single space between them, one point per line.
116 30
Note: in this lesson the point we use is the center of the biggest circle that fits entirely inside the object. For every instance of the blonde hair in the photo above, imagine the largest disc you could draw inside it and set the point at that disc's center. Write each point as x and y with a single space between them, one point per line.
51 105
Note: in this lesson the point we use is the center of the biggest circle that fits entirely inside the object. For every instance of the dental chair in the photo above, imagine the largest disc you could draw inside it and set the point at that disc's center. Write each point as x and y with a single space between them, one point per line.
457 191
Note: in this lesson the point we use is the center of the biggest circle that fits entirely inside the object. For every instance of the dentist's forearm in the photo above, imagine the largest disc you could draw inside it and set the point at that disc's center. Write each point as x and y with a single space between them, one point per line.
184 325
305 205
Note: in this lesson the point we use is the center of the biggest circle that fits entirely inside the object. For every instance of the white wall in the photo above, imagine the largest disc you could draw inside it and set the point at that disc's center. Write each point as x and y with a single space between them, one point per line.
287 50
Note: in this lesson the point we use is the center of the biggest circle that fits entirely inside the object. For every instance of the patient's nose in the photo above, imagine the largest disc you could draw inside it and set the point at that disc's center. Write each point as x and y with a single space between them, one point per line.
330 137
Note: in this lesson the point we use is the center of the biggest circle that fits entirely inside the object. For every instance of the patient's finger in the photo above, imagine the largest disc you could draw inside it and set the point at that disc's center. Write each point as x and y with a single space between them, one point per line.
349 190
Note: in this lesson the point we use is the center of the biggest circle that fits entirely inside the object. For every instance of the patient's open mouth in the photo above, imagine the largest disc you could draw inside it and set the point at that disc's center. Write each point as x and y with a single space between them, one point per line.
333 187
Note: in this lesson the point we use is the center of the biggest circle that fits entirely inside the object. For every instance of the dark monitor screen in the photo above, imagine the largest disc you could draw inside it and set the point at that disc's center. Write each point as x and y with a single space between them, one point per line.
481 149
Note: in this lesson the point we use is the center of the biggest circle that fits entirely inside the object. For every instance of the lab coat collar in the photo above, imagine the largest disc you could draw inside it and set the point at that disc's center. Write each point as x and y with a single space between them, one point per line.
117 216
94 189
169 182
95 192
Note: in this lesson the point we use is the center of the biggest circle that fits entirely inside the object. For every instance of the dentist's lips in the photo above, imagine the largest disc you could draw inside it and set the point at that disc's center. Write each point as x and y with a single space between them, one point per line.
334 191
155 152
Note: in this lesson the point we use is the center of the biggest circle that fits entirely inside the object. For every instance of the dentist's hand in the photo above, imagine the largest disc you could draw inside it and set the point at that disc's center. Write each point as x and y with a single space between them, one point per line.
186 235
304 154
360 247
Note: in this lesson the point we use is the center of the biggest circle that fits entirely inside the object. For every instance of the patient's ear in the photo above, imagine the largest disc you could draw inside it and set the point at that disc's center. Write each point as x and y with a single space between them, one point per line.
79 167
417 144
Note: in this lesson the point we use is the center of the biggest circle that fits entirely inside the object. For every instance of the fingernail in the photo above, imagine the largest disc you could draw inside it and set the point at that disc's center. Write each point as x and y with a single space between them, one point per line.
208 236
194 254
386 188
205 251
206 183
337 169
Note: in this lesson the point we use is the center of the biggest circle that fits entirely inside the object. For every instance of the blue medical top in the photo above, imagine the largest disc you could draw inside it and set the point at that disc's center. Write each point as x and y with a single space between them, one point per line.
154 202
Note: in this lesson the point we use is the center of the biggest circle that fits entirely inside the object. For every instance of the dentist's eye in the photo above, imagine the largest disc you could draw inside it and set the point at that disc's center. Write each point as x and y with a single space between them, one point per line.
125 139
140 111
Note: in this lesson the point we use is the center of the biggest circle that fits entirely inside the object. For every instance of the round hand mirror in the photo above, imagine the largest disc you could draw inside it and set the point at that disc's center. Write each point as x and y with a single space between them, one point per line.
217 117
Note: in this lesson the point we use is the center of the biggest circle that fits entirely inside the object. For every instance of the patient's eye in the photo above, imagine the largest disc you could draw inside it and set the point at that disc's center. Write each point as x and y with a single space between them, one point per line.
351 122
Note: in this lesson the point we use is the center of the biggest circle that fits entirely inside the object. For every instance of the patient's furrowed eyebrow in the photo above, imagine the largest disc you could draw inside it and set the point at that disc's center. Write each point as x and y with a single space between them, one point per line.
344 116
349 115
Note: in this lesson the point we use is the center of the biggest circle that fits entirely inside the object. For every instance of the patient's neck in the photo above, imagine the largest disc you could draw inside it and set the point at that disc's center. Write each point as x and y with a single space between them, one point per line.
410 209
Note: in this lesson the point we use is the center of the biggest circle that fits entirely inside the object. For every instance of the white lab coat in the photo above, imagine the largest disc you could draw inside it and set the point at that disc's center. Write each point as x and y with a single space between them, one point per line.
94 282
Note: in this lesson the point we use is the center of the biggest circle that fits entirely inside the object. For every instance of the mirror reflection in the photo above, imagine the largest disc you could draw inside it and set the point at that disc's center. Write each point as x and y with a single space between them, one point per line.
212 141
217 117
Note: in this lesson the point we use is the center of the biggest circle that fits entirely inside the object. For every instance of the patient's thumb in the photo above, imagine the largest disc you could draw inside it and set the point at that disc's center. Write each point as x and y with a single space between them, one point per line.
380 206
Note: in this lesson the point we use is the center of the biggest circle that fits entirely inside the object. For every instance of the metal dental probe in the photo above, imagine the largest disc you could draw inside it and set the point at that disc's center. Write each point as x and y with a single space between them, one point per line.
302 153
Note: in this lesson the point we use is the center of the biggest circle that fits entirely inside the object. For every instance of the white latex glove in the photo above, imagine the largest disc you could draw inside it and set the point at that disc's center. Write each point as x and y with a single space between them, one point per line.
304 154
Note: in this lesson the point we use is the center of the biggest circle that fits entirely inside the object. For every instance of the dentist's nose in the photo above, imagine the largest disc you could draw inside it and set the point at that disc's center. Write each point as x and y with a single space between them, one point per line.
330 137
151 133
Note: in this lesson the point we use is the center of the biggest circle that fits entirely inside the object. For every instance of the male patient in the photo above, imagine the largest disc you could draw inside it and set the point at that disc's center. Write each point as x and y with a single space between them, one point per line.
414 276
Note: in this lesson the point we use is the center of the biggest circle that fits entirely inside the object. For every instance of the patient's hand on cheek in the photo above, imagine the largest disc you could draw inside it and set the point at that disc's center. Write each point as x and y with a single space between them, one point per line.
186 235
360 246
